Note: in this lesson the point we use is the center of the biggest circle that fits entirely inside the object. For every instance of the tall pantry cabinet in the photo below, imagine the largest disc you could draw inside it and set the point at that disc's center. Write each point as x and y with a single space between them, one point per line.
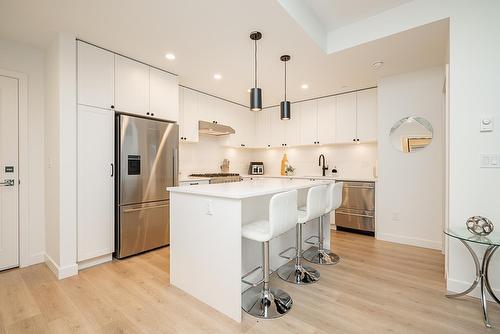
95 152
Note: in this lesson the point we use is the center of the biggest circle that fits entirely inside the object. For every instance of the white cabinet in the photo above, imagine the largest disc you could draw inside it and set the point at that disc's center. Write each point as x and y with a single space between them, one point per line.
277 128
188 115
292 128
95 76
345 122
131 86
366 117
242 120
356 117
95 182
263 128
326 120
164 95
308 121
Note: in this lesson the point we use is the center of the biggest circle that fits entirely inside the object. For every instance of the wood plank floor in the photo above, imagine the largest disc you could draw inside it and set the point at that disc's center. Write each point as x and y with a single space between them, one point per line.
378 287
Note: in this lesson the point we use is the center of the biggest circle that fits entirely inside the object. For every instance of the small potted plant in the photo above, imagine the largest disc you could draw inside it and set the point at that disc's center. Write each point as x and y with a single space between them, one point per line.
290 171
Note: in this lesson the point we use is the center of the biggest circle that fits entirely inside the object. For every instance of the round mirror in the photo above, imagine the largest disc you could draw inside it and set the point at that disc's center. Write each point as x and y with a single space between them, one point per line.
411 134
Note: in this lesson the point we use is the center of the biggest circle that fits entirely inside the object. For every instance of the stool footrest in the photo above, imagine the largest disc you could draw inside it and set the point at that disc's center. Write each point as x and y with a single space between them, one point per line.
287 250
308 240
250 273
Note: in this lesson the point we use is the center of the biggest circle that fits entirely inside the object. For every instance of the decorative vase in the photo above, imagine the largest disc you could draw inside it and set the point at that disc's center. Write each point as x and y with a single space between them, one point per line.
479 225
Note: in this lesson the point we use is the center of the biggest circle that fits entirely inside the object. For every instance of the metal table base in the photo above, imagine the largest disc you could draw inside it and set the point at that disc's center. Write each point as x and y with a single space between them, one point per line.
481 277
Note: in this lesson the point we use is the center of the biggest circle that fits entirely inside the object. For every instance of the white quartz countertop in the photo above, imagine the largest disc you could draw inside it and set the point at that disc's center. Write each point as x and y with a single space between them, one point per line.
308 177
247 189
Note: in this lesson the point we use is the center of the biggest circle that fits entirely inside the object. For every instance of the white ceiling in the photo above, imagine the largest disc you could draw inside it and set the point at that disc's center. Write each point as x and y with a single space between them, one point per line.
210 37
336 13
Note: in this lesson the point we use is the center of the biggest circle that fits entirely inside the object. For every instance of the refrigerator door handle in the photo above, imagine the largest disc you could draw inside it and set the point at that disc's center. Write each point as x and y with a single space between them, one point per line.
176 166
145 208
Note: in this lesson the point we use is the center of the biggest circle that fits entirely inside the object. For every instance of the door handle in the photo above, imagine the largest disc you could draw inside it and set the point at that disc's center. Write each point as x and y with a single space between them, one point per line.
8 183
112 170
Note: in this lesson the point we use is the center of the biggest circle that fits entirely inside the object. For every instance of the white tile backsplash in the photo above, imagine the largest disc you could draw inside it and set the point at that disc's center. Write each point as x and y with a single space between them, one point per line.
351 160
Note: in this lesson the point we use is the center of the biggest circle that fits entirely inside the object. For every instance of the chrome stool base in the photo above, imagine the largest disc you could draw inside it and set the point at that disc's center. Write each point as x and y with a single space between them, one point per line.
266 305
323 256
298 274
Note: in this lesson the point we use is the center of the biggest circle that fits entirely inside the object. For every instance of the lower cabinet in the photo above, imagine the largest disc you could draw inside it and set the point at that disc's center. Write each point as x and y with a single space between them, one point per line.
95 181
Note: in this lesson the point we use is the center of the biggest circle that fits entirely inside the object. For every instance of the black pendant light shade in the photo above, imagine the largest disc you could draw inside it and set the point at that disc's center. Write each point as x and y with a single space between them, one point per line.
285 106
256 99
255 93
285 110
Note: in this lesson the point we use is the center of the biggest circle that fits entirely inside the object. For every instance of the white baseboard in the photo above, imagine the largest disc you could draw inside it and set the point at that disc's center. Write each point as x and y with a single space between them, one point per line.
61 272
456 286
33 259
409 241
95 261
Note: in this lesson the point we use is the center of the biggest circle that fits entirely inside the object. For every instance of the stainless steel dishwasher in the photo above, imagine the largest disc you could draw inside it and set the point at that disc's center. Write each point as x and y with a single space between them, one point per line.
357 212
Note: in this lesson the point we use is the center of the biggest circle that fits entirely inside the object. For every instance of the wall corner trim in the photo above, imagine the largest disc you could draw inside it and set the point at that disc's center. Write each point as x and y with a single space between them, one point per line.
61 272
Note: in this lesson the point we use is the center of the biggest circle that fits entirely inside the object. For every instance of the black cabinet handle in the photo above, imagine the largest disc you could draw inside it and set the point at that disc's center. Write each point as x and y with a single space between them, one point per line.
354 140
112 170
152 114
112 107
147 113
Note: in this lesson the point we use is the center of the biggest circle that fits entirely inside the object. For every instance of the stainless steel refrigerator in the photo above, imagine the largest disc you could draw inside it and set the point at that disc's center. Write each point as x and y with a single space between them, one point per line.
147 163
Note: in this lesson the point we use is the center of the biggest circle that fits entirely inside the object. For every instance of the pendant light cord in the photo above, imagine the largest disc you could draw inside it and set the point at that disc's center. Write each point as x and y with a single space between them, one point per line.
285 81
255 63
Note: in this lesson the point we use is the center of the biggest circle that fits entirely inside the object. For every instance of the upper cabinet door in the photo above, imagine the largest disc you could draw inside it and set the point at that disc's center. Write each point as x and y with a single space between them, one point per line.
345 127
95 76
367 115
189 116
308 121
164 95
277 127
131 86
262 128
326 120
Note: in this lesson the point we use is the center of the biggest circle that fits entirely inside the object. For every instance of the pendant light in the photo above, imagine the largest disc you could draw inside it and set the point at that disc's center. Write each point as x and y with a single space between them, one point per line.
285 106
255 93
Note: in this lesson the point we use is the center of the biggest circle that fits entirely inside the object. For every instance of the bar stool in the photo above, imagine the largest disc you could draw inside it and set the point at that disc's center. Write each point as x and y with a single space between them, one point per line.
260 300
318 254
295 272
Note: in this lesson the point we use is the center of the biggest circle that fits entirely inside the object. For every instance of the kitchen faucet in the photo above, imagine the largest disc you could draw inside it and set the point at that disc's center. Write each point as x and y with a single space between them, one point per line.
324 169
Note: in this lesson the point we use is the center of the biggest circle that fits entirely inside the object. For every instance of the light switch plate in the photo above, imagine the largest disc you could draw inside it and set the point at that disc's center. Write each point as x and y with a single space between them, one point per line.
486 124
490 160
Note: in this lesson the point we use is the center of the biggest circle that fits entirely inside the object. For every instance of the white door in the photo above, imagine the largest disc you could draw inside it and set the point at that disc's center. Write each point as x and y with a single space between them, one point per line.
95 182
308 121
326 120
96 76
367 115
131 86
164 95
189 116
345 118
9 220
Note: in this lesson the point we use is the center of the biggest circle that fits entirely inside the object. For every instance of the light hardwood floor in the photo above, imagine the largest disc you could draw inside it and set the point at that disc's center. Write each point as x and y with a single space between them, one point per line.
378 287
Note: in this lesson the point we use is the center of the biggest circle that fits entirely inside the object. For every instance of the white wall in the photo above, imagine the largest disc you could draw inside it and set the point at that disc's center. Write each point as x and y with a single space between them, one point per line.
61 156
410 190
206 156
474 83
351 160
30 61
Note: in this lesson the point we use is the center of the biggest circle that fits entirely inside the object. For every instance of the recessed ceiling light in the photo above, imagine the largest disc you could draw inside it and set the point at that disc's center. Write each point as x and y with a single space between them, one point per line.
170 56
304 86
377 64
217 76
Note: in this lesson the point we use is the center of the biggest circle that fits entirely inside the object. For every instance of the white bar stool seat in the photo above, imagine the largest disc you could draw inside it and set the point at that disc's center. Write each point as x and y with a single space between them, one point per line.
294 271
318 254
260 300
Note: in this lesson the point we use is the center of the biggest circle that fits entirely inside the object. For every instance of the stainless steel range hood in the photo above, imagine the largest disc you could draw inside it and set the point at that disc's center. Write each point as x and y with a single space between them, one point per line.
214 129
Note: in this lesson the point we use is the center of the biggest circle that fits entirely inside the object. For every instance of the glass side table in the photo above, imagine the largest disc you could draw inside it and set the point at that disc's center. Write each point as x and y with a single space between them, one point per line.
492 242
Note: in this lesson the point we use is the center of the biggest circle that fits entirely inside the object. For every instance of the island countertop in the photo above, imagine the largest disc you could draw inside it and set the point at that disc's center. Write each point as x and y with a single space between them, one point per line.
247 189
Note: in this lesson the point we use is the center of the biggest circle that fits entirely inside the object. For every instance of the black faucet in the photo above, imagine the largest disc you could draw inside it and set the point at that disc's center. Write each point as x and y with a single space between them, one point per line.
324 169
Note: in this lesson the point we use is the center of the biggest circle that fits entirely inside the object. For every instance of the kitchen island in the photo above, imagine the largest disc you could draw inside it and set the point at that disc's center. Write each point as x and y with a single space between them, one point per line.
208 256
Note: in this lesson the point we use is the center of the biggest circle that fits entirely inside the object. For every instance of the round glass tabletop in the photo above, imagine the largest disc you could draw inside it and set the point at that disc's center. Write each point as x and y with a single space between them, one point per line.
463 233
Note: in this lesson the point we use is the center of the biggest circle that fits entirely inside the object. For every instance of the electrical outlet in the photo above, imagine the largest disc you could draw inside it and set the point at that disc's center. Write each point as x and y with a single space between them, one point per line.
209 208
486 124
489 160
